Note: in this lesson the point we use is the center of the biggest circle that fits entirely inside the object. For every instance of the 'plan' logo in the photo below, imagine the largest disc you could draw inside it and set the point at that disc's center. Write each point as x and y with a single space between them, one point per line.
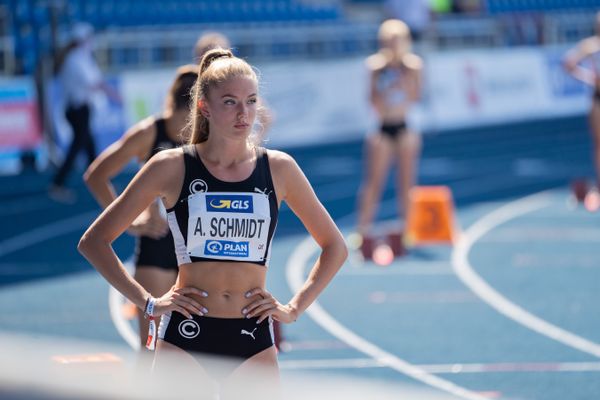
227 248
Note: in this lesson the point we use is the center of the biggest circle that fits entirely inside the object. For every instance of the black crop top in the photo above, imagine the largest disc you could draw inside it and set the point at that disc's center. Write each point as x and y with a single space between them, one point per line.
214 220
162 141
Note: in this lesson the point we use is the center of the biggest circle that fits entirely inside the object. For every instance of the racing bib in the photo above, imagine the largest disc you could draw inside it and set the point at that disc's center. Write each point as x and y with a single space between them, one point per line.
228 226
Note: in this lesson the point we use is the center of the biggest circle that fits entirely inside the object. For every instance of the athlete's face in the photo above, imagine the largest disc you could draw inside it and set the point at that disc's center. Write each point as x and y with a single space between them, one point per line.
231 106
396 44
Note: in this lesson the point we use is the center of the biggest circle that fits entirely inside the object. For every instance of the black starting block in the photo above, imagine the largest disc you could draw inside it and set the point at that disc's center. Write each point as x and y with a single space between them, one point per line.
579 189
393 239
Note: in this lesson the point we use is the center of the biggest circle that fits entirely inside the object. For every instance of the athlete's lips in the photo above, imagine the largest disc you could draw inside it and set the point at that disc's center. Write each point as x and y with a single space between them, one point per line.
241 126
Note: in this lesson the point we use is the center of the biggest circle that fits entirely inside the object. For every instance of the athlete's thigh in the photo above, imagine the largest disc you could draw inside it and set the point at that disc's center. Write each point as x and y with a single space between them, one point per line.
379 156
595 121
181 372
256 378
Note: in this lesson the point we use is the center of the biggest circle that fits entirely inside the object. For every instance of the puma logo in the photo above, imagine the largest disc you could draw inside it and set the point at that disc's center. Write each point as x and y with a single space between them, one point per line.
245 332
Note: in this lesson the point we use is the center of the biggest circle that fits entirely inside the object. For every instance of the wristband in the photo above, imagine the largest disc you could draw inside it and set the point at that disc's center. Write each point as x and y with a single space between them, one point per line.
149 314
149 309
151 342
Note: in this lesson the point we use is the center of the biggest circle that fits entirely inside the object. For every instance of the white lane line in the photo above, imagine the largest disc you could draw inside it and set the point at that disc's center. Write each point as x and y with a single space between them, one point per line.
63 227
400 268
481 288
295 278
115 307
456 368
46 232
25 205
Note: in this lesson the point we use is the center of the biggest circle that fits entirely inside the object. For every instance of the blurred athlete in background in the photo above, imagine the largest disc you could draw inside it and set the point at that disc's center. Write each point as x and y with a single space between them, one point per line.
155 262
394 88
589 50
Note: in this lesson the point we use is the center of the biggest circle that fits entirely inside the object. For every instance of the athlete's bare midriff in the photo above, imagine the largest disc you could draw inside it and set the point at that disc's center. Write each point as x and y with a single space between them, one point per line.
226 284
394 115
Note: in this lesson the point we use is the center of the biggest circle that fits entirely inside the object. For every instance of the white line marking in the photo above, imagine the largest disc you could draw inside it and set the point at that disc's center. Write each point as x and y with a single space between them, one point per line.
46 232
400 268
469 277
25 205
63 227
115 303
295 278
457 368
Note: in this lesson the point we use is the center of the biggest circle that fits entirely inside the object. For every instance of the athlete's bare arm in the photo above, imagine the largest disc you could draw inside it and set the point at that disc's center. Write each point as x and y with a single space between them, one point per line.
375 63
135 143
579 53
162 176
414 67
293 187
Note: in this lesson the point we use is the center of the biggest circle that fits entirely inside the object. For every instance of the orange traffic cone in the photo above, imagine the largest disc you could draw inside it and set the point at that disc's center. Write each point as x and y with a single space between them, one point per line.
430 215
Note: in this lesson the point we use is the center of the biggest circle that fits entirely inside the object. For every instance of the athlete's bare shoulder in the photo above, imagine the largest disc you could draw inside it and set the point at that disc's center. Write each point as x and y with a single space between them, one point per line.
168 157
166 170
166 164
285 172
376 62
589 46
279 160
143 127
412 62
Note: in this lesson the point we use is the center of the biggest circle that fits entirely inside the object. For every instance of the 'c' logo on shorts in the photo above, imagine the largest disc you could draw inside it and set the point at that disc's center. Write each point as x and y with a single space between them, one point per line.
189 328
198 186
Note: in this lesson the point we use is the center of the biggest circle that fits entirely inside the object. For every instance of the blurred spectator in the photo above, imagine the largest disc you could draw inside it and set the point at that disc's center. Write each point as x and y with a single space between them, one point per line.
80 77
466 6
415 13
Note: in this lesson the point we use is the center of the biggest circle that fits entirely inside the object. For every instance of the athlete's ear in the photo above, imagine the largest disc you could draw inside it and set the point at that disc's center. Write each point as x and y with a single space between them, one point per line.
203 109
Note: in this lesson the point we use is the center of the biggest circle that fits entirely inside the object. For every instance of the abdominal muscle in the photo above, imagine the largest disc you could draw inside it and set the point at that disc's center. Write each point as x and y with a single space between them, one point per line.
226 284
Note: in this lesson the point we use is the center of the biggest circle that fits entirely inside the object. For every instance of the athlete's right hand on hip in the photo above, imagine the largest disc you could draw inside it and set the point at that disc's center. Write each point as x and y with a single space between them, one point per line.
179 299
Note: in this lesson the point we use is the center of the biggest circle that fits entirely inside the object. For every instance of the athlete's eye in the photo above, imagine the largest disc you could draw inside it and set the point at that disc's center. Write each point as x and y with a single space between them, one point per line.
229 101
252 101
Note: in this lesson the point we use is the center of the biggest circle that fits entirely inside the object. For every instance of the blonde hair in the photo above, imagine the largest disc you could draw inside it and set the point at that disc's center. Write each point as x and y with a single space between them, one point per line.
395 29
217 66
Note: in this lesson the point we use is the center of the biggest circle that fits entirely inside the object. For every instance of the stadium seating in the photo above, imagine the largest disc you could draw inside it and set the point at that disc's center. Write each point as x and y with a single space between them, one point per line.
511 6
30 19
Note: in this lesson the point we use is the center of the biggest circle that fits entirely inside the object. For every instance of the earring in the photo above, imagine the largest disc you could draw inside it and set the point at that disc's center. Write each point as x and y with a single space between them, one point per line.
202 110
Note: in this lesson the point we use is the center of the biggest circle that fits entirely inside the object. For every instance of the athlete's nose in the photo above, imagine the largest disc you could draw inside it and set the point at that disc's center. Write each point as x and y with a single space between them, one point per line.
242 110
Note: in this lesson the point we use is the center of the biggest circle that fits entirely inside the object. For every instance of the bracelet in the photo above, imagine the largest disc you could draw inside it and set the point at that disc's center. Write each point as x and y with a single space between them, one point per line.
149 308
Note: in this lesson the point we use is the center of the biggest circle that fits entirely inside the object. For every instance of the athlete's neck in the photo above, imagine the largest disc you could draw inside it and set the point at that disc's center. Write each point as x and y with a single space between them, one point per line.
225 152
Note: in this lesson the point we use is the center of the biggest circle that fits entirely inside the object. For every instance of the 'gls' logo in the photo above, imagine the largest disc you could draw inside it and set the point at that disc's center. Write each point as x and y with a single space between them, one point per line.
229 203
189 328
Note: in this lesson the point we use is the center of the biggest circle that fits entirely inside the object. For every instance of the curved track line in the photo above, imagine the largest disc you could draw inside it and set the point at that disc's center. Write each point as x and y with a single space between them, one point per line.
483 290
295 277
115 303
46 232
64 227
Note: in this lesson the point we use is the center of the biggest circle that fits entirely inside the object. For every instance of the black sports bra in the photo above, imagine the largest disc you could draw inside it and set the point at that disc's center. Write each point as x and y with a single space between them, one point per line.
214 220
162 140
